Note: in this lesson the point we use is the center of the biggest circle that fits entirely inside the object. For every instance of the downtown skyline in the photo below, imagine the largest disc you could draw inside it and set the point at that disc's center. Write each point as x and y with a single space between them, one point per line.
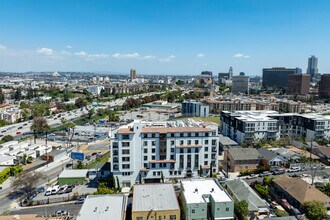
162 37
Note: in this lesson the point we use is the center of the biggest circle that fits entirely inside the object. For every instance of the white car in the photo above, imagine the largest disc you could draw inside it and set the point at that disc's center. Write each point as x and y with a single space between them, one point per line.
252 176
48 191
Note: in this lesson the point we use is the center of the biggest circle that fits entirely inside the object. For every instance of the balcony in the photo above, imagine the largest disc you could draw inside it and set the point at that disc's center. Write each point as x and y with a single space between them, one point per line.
214 149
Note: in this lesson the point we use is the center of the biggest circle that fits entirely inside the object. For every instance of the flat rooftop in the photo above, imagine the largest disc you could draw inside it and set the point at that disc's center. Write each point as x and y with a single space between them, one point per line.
154 197
197 191
103 207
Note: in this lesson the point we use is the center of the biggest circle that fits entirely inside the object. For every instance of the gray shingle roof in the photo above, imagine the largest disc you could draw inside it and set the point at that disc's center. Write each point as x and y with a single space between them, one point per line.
244 153
267 154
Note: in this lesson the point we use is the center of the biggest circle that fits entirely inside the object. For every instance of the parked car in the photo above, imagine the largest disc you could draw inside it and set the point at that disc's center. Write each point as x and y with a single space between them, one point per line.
60 213
294 169
62 189
80 201
48 191
18 132
41 189
278 172
69 188
20 127
55 189
265 173
252 176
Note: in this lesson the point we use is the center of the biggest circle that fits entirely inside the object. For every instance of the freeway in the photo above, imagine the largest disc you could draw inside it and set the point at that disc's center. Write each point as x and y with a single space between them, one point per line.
72 208
55 120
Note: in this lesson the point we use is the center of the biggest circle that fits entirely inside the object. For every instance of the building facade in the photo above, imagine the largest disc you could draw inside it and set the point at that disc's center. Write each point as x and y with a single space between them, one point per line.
312 69
192 108
298 84
240 159
324 87
277 77
240 84
152 151
132 74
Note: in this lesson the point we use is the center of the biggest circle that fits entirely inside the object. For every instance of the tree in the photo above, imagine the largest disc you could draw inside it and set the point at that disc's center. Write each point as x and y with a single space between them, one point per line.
18 94
39 124
281 213
267 180
325 188
200 171
38 110
27 182
7 138
262 190
90 113
179 82
112 116
2 97
80 102
241 209
315 210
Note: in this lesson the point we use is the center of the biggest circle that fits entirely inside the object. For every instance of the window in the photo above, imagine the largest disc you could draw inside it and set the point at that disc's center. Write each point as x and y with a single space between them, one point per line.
227 209
196 150
125 152
206 141
125 144
153 143
172 217
153 157
172 143
181 134
145 165
193 211
153 135
181 150
206 149
153 165
145 143
189 134
189 142
189 150
172 134
139 218
125 166
145 135
181 142
172 150
206 134
145 158
125 159
153 150
206 156
205 163
196 134
145 150
196 142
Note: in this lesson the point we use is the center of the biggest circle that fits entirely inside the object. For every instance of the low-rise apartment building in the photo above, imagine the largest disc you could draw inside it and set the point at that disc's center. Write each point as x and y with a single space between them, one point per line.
155 201
205 199
253 125
152 151
192 108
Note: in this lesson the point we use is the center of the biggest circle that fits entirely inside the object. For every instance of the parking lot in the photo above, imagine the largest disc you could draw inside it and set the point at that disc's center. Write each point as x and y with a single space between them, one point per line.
77 192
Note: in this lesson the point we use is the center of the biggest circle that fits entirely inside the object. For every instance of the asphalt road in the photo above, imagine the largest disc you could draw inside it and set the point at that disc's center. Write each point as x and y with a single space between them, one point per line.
72 208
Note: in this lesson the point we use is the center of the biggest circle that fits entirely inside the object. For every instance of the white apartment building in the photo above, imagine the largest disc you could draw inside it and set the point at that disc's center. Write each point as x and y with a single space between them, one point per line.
253 125
151 151
10 115
95 90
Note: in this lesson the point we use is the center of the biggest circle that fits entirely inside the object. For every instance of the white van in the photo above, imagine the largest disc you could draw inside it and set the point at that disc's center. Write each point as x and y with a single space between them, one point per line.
55 189
48 191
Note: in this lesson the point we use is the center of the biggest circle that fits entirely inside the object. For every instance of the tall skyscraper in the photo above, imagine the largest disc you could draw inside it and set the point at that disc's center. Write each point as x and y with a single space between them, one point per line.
133 74
298 84
231 72
277 77
312 69
324 88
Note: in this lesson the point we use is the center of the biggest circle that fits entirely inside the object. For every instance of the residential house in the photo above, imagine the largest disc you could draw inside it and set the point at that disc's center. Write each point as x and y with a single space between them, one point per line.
287 154
323 153
239 159
297 191
240 190
205 199
271 158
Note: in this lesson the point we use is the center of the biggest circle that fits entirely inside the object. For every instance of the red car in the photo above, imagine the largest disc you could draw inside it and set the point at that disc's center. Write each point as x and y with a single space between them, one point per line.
18 132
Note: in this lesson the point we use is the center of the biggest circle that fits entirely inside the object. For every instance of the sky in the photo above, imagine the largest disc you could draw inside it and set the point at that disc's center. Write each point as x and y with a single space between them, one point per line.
182 37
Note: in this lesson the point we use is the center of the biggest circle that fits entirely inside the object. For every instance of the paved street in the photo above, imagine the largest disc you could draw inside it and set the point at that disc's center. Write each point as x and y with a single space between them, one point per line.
72 208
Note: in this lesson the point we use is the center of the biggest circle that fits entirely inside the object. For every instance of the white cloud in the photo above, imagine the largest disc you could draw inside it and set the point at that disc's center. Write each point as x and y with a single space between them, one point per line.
240 55
81 54
68 46
2 47
132 56
102 55
45 51
201 55
167 59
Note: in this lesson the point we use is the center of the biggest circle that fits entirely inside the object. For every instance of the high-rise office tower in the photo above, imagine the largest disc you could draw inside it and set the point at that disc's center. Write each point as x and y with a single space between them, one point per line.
277 77
324 88
298 84
133 74
312 69
230 73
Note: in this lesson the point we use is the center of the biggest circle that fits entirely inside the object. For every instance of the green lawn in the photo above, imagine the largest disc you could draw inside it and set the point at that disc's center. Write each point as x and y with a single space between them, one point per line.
206 119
